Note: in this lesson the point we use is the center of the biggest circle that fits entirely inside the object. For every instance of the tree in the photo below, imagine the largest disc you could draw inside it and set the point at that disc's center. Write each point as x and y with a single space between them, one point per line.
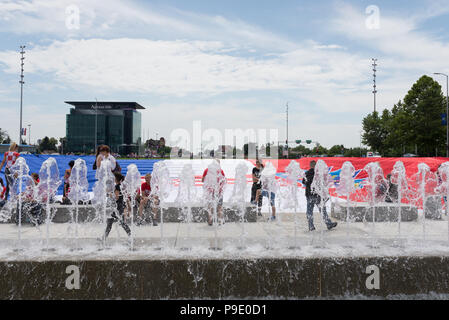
337 149
48 144
4 137
375 131
425 104
413 124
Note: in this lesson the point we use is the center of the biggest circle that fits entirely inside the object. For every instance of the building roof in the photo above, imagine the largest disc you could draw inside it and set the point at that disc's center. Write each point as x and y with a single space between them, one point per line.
103 104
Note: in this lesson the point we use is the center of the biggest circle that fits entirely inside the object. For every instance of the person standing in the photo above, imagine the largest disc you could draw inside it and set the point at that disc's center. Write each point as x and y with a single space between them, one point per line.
2 193
214 193
145 197
118 214
103 153
10 157
314 199
66 188
257 186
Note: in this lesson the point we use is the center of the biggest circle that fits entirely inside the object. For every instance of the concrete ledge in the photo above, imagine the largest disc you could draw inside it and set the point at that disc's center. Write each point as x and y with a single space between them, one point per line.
174 279
433 207
362 211
172 213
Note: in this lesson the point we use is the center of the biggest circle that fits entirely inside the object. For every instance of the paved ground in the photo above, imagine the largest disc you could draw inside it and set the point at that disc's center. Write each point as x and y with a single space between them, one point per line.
254 239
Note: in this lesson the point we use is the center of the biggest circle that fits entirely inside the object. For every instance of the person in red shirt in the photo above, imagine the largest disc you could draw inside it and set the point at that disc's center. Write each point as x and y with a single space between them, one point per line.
211 195
146 197
9 159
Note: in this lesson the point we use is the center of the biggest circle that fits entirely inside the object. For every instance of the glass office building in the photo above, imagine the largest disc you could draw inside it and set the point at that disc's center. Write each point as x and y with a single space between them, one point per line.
117 124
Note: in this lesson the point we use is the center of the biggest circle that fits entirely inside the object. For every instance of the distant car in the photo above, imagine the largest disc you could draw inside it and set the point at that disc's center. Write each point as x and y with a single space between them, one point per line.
373 155
339 156
409 155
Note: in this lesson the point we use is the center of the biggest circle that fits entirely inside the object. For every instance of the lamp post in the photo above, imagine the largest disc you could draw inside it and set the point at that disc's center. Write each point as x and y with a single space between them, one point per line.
22 52
96 130
29 134
447 110
286 140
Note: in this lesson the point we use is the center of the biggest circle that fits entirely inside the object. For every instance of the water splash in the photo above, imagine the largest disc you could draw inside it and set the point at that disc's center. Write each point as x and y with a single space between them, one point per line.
130 189
20 173
47 189
78 191
160 189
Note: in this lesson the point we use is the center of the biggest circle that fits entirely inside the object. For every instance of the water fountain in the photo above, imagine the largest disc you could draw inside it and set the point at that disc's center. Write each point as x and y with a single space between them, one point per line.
252 270
294 173
78 192
270 187
103 192
213 190
346 188
377 188
443 188
239 197
20 173
186 197
131 188
321 183
46 191
160 189
399 178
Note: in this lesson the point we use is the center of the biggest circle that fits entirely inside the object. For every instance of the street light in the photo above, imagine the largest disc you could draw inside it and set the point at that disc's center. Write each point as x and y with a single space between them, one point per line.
22 52
96 119
447 110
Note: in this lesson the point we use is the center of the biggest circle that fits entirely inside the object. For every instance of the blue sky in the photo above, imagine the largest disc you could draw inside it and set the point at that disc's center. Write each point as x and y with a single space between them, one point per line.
231 64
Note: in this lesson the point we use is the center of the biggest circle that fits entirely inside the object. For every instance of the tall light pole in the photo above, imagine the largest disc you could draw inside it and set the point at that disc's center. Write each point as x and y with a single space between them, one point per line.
374 81
447 110
96 118
29 134
22 58
286 140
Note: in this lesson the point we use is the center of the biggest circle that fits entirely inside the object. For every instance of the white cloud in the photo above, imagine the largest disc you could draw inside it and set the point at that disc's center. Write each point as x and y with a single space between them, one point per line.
182 67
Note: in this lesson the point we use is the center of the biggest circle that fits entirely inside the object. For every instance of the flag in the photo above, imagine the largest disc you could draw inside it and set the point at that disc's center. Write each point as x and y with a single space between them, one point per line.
24 131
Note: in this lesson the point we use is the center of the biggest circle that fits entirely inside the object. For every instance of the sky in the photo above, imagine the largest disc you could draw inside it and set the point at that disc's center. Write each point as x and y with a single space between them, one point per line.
229 64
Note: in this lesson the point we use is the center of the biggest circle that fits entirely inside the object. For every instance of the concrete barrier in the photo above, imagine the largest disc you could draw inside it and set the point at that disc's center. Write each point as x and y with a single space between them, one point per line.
363 211
223 278
172 213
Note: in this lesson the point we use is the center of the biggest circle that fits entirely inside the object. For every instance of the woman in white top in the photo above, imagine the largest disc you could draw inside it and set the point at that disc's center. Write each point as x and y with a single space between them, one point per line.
103 153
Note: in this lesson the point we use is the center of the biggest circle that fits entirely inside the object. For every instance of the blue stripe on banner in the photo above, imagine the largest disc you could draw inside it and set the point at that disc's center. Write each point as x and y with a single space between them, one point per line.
35 161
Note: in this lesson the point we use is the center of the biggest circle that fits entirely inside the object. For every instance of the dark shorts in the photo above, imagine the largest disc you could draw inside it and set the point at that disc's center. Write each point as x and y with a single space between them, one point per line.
272 197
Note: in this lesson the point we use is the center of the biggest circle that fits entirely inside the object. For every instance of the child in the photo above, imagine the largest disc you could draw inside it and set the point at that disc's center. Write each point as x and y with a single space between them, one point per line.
66 189
9 159
146 197
117 215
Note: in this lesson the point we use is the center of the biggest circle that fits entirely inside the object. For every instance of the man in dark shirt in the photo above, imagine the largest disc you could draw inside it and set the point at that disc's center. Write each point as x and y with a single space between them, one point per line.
257 185
117 215
314 199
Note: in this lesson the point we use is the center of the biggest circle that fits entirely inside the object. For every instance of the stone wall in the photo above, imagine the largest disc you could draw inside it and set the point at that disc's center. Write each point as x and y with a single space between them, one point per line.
260 278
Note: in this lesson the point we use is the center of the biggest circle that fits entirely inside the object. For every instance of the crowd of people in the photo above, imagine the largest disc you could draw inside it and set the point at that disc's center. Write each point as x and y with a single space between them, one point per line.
145 199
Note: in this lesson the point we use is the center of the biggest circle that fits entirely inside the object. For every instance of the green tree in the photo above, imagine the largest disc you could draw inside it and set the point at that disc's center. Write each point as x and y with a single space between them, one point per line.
413 124
48 144
4 137
375 131
337 149
424 104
